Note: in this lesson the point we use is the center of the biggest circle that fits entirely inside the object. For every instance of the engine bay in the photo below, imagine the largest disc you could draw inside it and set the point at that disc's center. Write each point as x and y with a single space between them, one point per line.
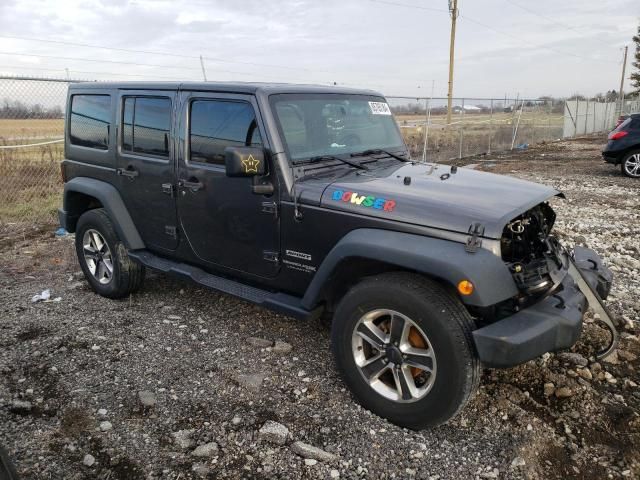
529 250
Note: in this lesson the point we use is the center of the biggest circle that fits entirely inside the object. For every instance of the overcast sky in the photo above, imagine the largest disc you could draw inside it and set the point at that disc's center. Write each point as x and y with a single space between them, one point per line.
546 47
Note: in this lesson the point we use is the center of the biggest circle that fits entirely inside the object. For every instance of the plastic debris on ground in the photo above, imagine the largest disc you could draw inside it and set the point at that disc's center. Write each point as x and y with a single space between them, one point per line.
45 296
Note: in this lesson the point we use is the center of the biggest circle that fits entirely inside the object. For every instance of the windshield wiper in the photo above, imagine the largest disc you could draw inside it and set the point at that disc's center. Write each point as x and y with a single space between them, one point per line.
377 151
320 158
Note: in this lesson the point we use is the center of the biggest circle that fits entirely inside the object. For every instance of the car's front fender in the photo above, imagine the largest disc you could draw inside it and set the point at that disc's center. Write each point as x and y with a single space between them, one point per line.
442 259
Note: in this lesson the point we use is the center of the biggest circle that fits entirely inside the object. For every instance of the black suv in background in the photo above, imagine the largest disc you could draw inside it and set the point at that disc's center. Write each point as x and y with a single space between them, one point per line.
623 147
303 199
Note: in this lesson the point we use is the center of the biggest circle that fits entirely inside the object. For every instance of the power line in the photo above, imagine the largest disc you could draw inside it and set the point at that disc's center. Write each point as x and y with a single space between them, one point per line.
24 67
484 25
190 57
522 41
21 67
121 62
419 7
145 52
552 20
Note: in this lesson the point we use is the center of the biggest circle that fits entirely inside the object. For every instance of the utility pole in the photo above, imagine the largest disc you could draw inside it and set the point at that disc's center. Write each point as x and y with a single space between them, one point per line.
624 66
204 73
453 10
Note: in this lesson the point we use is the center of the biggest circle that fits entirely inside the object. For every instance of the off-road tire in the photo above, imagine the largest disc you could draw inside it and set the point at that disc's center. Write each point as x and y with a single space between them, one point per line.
128 276
632 156
446 323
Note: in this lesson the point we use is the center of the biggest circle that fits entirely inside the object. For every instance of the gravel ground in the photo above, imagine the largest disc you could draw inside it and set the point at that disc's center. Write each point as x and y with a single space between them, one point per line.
180 382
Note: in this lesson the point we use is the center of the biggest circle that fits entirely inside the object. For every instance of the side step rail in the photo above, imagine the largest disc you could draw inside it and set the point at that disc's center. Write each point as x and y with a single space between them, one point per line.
279 302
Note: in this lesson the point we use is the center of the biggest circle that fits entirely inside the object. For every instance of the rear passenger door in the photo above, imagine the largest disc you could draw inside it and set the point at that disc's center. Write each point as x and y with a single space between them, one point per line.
146 165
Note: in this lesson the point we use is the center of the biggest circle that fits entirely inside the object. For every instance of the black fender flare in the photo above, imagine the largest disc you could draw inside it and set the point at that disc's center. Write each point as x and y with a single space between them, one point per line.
443 259
112 202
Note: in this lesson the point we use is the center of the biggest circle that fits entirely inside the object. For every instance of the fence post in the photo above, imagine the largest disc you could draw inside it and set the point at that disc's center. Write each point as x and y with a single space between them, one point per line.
586 117
490 127
515 130
549 118
534 127
426 129
460 129
575 133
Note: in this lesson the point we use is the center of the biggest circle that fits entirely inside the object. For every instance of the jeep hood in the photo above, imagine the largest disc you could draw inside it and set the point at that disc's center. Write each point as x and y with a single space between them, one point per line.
433 196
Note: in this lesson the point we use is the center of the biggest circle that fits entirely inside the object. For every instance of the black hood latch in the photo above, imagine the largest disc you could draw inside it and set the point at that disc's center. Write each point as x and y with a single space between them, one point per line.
474 240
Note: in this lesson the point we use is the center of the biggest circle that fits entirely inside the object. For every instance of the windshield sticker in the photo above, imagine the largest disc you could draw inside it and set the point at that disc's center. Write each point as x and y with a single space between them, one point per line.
379 108
370 201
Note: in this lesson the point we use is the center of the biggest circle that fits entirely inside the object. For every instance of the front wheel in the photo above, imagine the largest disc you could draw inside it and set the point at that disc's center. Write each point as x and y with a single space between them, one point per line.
403 345
630 164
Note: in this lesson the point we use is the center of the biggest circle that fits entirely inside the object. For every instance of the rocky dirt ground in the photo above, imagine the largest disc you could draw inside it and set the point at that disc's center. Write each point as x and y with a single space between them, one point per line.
179 382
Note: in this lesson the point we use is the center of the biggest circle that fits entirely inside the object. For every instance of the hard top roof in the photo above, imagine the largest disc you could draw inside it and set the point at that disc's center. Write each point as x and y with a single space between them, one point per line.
229 87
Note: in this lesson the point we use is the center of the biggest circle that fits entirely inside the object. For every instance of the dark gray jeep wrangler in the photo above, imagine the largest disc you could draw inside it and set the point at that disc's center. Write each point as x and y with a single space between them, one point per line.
304 200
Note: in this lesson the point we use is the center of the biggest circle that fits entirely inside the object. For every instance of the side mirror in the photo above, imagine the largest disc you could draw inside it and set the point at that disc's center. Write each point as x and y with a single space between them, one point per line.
244 161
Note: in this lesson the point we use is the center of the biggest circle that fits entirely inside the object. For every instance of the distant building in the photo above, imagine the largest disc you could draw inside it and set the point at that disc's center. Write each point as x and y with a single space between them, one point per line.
467 109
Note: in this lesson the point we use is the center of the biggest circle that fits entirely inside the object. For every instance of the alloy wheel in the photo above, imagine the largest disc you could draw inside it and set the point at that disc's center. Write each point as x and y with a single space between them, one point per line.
393 355
97 256
632 165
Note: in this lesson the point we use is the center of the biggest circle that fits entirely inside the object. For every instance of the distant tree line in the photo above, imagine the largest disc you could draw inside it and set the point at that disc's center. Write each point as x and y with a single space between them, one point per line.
19 110
609 96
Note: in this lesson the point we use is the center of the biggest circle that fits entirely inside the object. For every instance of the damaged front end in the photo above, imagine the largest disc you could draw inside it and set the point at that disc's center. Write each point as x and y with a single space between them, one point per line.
530 252
554 288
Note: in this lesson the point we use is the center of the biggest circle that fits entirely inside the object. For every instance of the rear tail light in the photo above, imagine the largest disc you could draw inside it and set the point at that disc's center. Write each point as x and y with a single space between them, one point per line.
617 135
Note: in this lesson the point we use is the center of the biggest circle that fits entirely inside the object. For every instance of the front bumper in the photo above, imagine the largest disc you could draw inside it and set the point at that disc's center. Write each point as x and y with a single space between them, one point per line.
552 324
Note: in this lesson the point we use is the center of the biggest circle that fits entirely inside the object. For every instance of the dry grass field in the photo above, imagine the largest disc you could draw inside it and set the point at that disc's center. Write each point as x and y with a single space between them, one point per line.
478 133
30 184
11 129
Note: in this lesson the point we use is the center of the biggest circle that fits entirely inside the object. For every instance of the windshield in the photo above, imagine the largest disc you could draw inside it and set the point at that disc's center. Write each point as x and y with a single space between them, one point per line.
313 125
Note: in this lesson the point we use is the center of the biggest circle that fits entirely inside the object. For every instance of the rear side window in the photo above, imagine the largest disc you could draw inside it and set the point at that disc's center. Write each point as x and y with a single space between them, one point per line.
90 121
146 122
216 124
624 124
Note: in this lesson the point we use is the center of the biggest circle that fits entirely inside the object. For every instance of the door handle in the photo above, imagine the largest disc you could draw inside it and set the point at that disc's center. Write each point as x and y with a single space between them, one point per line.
192 184
128 172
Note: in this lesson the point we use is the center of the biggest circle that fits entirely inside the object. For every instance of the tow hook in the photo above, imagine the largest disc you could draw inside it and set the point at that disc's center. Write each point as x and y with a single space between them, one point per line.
598 307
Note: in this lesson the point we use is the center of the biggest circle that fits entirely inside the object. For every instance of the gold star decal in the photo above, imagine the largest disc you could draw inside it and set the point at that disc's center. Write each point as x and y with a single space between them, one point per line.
250 164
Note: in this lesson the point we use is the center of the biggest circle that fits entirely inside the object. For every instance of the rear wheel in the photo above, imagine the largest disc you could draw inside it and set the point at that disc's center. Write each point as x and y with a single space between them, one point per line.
403 345
630 165
103 257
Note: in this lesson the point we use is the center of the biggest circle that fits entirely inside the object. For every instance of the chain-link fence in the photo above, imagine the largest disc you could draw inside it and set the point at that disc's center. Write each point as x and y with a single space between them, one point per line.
478 125
31 148
32 131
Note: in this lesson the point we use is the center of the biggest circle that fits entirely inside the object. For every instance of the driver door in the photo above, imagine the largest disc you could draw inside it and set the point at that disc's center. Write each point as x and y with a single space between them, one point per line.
225 224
